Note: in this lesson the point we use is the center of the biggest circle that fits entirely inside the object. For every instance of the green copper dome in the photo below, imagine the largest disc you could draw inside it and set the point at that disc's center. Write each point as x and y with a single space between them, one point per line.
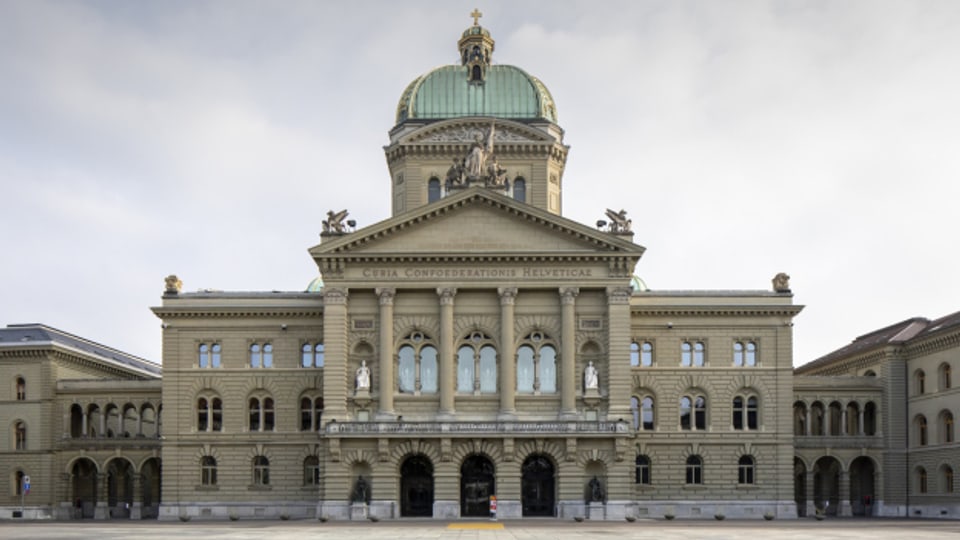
476 87
447 92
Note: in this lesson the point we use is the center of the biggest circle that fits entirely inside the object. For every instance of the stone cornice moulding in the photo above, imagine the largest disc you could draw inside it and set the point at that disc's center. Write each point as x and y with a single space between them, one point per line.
692 311
169 312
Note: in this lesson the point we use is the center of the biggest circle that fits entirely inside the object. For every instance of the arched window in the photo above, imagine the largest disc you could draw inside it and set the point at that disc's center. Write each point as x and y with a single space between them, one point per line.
921 480
643 470
311 471
476 74
634 354
209 414
692 354
261 414
817 419
744 353
209 355
946 476
537 365
946 427
261 356
208 471
920 423
746 470
311 413
261 471
799 419
745 412
870 418
312 355
642 409
477 365
693 412
21 389
417 364
694 470
920 381
20 435
19 480
520 189
945 376
433 190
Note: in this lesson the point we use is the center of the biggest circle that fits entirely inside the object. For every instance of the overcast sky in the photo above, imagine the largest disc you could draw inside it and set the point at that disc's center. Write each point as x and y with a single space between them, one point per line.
208 139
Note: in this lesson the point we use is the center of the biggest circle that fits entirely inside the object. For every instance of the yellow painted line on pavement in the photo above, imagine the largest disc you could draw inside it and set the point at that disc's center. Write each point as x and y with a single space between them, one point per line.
475 526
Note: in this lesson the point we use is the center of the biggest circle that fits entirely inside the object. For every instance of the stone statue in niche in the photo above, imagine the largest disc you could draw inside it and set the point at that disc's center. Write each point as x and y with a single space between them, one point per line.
361 491
363 377
596 490
591 379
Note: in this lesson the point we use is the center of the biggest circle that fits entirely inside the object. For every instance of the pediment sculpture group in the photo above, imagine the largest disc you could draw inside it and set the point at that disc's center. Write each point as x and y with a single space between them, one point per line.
479 165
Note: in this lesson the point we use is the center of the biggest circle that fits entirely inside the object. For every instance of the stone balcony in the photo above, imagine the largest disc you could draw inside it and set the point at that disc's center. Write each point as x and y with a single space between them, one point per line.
480 428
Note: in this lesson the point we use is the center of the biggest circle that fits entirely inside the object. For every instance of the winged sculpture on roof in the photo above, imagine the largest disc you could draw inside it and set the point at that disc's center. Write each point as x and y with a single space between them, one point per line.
619 223
334 222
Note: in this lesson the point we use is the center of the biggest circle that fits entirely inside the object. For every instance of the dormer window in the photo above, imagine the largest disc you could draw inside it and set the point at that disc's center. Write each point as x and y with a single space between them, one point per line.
476 75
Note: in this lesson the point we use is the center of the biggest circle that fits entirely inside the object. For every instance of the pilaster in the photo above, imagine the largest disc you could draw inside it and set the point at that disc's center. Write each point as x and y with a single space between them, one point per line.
618 352
508 369
335 347
386 296
568 354
446 352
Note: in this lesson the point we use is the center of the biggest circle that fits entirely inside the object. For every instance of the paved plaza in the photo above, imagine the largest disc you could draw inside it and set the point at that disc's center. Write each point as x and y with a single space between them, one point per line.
874 529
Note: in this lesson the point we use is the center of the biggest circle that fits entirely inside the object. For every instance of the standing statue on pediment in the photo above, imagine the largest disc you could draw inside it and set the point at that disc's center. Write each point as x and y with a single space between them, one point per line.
480 152
456 174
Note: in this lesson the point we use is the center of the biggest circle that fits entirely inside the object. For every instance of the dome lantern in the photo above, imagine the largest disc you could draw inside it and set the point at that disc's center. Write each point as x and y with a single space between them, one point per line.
476 50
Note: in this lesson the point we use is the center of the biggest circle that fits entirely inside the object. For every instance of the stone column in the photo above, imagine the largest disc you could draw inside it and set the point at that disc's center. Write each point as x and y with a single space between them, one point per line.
843 422
84 420
136 509
568 353
811 496
508 354
101 510
447 359
387 384
807 427
860 422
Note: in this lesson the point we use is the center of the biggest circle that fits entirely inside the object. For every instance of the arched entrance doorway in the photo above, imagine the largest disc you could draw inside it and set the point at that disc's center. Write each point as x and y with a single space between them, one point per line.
800 486
416 487
477 484
119 487
84 489
152 494
538 486
861 486
826 485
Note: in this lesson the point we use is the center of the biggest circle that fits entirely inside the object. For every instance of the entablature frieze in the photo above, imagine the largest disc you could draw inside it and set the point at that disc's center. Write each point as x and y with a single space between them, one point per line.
473 429
226 312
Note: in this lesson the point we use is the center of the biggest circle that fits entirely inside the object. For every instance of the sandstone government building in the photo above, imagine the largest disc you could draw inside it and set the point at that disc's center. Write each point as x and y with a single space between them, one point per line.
478 344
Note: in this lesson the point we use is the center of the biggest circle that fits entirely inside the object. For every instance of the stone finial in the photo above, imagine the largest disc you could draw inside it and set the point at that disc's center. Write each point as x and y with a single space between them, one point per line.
781 283
172 285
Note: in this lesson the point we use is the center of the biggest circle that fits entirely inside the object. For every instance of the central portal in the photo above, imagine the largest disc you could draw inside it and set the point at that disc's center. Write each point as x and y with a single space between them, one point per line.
537 487
477 484
416 487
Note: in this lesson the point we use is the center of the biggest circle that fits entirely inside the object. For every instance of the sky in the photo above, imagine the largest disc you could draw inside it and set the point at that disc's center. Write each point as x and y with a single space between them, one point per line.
208 139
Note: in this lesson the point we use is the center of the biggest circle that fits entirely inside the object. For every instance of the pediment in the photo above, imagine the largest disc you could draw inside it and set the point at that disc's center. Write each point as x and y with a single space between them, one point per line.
466 131
476 223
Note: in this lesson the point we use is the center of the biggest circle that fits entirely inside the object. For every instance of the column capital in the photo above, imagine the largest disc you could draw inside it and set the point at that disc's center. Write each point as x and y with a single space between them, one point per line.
508 295
619 295
568 294
335 295
446 295
386 295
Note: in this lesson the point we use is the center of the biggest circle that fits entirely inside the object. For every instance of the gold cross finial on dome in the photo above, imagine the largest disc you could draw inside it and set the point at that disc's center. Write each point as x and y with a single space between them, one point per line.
476 16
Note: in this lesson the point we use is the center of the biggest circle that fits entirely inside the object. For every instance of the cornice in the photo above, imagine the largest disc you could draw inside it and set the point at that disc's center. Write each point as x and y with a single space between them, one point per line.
931 345
193 312
611 245
742 311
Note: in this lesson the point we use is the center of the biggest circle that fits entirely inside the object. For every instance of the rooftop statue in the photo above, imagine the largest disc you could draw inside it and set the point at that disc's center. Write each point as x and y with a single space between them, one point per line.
619 222
479 165
334 222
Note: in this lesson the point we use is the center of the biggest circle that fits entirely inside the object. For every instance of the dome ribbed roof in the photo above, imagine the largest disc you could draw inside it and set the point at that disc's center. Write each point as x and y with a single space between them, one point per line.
447 92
